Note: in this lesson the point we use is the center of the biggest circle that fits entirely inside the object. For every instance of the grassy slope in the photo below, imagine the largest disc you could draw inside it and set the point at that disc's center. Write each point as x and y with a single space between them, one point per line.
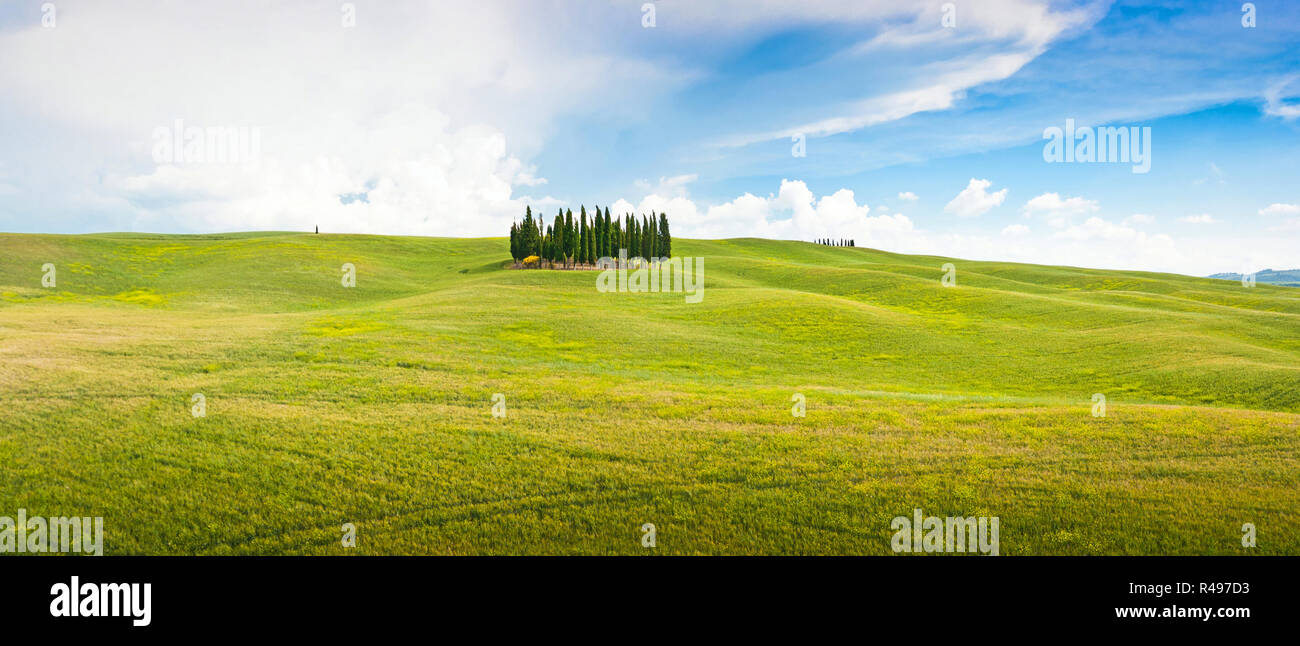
372 405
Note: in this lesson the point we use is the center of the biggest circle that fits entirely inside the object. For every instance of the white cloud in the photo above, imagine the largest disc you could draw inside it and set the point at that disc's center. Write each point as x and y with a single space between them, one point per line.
1107 244
1006 34
1139 219
1280 209
908 196
794 212
433 144
974 200
675 185
407 173
1053 207
1204 218
1275 100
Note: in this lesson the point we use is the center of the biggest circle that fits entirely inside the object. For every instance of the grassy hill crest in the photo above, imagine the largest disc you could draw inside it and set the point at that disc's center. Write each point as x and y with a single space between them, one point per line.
371 404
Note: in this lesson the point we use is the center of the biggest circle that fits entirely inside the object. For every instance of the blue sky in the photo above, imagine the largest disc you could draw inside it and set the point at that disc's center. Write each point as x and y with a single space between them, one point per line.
922 122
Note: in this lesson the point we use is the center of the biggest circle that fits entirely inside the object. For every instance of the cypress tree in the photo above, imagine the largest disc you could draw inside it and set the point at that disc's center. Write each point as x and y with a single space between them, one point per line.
527 234
557 236
582 235
615 236
647 240
514 242
665 239
535 238
591 244
653 225
633 237
600 236
586 243
557 240
609 236
592 248
570 237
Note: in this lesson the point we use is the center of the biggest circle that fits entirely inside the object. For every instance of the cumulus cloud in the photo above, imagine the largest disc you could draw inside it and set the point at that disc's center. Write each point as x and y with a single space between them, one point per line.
1116 245
1278 208
370 129
975 200
908 196
1139 219
794 212
409 172
1056 209
1204 218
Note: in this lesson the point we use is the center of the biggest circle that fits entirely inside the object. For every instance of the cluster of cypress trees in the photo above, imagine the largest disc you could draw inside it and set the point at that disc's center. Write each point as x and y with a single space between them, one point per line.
570 242
830 242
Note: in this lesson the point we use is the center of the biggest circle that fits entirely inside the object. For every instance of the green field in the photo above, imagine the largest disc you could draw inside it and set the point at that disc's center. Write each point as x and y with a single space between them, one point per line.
372 405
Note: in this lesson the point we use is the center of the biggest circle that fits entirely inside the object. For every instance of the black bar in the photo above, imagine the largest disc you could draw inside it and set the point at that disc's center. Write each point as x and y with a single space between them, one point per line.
922 594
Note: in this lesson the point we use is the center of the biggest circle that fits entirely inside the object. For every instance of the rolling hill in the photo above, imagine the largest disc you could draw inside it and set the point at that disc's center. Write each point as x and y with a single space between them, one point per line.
372 405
